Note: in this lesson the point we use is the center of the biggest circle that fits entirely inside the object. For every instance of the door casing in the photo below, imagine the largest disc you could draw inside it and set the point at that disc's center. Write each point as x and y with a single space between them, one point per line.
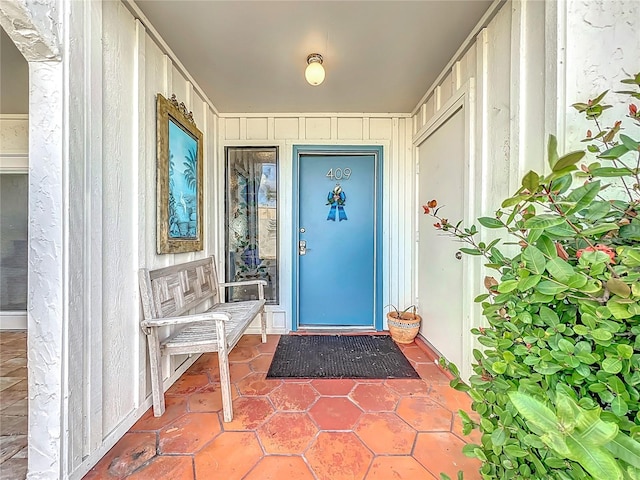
339 150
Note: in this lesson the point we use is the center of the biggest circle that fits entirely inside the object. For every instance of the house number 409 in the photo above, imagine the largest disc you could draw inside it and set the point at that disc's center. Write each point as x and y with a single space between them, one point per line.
339 173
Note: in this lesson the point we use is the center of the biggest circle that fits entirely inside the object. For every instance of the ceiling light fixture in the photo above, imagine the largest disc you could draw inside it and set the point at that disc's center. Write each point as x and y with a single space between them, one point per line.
315 71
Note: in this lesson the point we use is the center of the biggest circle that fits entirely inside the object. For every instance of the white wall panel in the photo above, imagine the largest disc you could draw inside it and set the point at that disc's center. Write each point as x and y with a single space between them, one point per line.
319 128
350 128
493 70
134 70
446 88
380 128
286 128
119 260
232 129
257 129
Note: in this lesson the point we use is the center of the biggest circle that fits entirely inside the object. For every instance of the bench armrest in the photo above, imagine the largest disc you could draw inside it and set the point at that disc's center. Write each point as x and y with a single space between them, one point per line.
261 284
198 317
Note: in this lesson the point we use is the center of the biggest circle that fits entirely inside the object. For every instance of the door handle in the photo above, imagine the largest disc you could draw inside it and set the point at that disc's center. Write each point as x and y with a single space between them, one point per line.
302 247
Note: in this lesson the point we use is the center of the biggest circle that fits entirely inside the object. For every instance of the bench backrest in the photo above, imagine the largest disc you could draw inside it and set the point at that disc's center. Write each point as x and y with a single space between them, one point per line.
173 291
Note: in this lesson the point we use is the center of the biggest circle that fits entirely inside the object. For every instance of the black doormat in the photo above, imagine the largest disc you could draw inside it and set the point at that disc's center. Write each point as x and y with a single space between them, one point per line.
339 356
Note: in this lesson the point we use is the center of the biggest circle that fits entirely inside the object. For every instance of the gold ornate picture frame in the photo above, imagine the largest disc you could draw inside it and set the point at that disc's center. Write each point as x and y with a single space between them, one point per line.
179 178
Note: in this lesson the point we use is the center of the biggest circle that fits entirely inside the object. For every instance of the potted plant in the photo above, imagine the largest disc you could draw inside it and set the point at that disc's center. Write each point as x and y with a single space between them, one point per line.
404 325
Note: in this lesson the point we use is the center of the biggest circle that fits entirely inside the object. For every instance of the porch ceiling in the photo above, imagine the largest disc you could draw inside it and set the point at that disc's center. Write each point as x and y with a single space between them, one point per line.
249 56
379 56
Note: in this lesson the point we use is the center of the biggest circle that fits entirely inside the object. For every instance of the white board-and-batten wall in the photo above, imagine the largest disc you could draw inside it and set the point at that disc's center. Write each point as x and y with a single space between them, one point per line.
105 187
113 390
392 132
496 84
514 79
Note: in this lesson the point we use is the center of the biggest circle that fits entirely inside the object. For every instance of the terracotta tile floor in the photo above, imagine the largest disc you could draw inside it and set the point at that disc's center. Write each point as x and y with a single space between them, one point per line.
297 429
13 405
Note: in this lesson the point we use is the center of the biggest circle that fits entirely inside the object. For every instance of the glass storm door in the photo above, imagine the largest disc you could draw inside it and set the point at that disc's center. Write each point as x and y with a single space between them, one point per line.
336 240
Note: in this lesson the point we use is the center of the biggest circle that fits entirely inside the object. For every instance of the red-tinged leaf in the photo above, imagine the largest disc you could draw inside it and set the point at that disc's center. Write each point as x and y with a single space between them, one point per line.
562 253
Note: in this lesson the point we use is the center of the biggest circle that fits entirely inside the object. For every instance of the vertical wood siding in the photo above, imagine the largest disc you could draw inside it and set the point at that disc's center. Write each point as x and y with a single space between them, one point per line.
504 141
398 200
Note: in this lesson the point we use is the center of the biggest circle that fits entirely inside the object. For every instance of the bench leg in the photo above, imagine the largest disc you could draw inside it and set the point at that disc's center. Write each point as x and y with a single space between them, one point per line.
225 379
155 359
263 326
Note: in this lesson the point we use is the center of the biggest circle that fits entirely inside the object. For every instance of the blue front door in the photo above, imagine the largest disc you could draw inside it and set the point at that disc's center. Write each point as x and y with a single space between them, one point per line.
336 240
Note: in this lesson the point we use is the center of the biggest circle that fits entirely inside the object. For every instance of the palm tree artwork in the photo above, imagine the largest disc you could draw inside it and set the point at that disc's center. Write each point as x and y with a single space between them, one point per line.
183 183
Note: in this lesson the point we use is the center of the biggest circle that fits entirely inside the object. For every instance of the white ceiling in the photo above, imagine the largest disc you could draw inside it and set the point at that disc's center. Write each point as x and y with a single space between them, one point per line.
249 56
379 56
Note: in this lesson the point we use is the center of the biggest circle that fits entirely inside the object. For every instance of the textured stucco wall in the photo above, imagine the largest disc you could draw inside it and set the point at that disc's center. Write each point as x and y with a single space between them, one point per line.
46 290
602 48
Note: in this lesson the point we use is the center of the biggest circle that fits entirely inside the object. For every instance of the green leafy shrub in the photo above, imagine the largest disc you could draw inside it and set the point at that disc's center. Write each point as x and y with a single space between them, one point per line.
563 316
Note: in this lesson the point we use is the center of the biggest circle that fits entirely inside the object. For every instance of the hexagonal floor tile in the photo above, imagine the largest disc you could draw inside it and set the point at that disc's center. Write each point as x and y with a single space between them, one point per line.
270 346
175 407
416 354
294 397
238 371
230 455
450 398
242 354
206 362
474 437
188 384
249 340
257 384
441 452
385 434
249 413
408 387
333 386
189 433
209 399
261 363
431 373
335 413
405 468
279 467
338 456
130 453
374 397
425 415
287 433
175 467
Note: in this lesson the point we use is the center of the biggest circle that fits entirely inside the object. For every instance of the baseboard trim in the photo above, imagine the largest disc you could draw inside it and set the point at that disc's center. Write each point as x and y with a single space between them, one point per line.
13 321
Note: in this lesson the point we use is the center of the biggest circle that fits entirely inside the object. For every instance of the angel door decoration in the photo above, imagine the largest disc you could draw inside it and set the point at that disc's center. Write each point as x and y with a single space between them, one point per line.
336 198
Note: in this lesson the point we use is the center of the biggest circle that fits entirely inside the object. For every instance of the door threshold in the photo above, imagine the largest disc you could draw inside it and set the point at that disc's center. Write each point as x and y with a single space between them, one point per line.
303 330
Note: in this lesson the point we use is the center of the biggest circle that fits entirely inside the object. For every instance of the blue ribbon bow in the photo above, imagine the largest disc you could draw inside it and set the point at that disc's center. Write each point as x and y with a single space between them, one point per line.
336 199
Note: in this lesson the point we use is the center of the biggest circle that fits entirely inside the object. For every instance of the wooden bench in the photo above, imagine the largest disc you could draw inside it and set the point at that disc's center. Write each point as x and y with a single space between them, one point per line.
169 294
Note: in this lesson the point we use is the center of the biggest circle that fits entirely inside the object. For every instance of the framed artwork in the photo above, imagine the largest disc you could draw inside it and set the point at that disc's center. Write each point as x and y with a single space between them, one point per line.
179 177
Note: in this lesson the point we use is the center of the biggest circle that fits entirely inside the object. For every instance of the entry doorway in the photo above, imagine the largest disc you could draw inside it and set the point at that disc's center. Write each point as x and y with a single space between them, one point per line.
337 238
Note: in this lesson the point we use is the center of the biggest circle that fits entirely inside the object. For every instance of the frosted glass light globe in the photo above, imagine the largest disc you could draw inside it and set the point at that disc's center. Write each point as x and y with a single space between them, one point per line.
314 73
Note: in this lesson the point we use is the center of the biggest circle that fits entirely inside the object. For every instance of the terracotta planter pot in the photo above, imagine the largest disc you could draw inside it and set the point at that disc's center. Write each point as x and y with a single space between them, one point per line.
405 328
